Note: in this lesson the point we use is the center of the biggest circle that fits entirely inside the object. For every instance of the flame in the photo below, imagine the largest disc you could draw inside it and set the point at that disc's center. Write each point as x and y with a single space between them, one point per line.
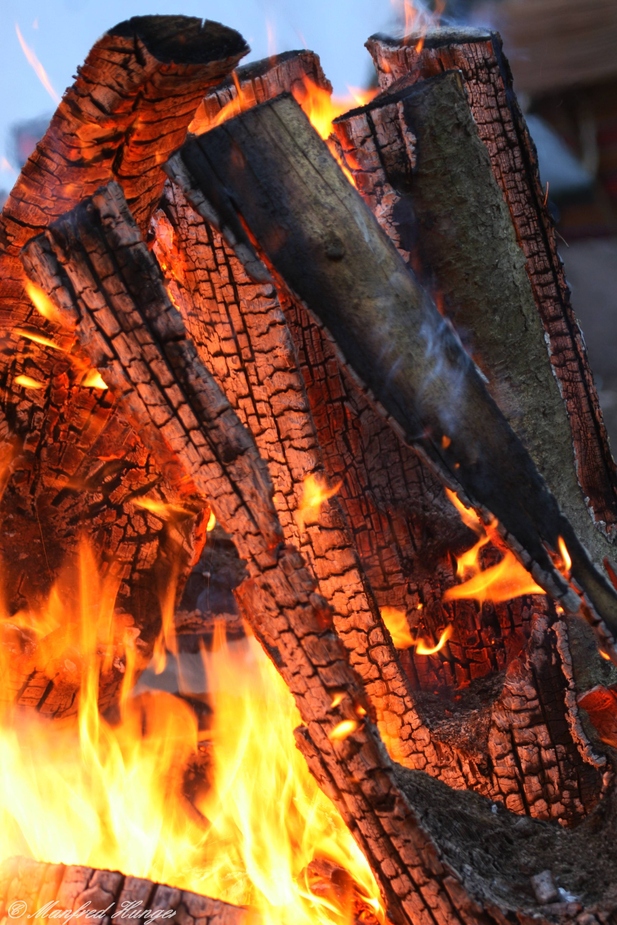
28 383
36 65
566 561
38 338
498 583
94 380
396 623
343 730
43 303
418 19
423 649
84 791
315 492
162 509
211 522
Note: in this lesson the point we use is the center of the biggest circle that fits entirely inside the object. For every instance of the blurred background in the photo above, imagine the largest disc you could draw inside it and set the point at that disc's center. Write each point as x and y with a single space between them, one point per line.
563 56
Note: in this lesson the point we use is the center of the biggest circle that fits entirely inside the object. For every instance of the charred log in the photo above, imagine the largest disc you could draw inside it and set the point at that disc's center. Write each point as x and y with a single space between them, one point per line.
501 126
76 466
29 888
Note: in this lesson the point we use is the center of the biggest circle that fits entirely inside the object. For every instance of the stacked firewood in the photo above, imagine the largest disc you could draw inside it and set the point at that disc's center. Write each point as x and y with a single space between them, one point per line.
256 321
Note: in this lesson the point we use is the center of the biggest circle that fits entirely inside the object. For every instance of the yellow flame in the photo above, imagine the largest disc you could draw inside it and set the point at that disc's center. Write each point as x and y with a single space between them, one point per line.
423 649
36 65
87 792
42 303
566 561
27 382
211 522
398 627
343 730
94 380
315 492
38 338
162 509
498 583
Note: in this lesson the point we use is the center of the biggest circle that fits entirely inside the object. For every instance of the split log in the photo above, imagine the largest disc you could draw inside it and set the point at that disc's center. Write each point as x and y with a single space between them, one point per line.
76 466
440 855
31 889
501 126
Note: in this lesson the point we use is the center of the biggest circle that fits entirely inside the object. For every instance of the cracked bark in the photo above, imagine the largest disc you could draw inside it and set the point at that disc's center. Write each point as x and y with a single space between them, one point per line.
60 888
501 126
440 855
75 465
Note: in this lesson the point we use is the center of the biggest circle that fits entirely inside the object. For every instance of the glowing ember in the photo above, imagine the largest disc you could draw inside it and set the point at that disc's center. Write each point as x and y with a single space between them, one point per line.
28 383
85 792
498 583
36 65
315 492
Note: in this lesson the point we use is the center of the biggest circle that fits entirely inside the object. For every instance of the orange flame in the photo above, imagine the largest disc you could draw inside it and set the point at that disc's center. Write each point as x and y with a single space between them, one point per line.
343 730
94 380
38 338
86 792
566 561
396 623
498 583
162 509
315 492
36 65
211 522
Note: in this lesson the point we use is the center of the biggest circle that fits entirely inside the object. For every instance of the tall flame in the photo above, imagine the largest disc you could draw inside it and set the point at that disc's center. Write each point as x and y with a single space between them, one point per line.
88 792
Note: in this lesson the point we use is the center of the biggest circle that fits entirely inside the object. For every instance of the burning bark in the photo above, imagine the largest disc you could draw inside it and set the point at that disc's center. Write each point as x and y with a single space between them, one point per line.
76 468
51 891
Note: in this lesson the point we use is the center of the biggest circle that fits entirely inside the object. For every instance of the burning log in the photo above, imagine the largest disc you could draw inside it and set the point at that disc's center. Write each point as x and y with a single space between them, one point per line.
395 517
439 855
51 891
409 358
241 333
76 468
501 126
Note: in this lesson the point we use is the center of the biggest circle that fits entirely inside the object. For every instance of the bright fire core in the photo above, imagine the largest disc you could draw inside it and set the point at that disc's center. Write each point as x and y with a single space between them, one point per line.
86 792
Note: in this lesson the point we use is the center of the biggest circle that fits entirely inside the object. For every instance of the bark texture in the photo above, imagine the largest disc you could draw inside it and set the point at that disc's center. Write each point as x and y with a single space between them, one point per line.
76 466
405 534
501 126
440 856
31 886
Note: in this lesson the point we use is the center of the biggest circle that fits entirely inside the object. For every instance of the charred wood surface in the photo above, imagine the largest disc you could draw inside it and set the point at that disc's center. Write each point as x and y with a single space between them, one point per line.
440 855
405 534
52 891
76 466
315 231
501 126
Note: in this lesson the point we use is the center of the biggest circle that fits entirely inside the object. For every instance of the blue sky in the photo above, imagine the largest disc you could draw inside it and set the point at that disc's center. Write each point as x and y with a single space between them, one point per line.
61 33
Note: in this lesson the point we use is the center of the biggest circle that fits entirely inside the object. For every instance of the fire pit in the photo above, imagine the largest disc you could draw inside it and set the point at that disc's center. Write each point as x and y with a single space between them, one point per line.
359 361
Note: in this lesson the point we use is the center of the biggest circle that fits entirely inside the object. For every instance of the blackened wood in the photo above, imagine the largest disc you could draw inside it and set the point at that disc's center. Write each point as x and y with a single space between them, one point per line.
430 870
78 464
403 529
57 890
501 125
271 167
421 166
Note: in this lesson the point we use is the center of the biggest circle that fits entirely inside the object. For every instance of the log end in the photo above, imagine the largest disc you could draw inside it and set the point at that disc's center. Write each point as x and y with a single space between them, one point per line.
185 39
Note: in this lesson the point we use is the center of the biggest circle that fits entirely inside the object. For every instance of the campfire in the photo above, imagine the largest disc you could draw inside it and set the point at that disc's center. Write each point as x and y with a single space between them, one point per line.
295 384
